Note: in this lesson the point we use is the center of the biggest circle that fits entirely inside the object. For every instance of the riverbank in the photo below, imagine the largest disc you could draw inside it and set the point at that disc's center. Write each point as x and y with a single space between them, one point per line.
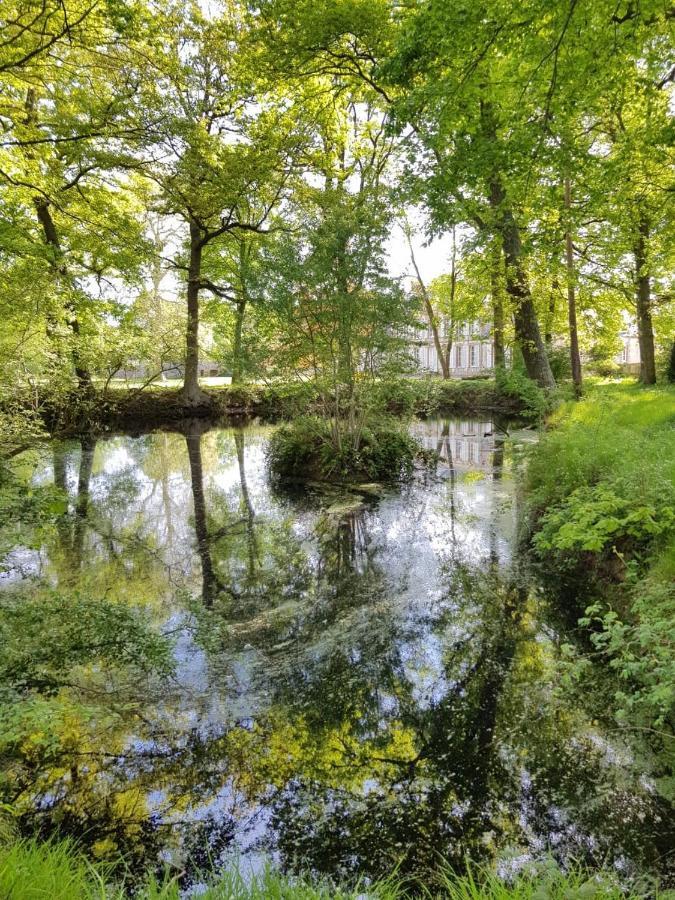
118 408
601 516
31 870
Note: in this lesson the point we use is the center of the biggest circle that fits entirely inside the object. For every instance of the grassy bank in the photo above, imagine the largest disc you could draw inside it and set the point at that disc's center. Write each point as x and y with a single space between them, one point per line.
33 871
510 395
601 494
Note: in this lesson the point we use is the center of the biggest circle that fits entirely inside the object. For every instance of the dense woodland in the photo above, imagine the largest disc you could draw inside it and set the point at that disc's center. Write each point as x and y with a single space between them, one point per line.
240 166
405 633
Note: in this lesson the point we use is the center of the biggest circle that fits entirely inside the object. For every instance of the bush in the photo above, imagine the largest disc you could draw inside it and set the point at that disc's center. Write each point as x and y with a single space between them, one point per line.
310 448
513 393
639 644
395 397
561 363
516 386
606 368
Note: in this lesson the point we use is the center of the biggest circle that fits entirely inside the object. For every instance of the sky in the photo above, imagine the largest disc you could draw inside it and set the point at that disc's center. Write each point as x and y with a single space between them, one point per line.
432 259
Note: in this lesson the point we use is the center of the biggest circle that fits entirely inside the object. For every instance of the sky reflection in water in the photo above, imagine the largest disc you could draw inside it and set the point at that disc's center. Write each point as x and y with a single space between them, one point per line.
362 679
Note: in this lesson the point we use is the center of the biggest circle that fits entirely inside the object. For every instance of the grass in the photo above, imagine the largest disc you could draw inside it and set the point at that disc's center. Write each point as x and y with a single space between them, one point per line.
30 870
619 433
629 404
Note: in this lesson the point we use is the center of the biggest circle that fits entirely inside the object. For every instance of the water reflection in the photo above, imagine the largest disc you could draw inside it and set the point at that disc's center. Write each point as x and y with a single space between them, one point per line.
360 680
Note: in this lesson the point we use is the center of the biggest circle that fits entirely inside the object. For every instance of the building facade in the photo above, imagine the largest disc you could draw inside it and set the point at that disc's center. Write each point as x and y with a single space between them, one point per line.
472 351
629 355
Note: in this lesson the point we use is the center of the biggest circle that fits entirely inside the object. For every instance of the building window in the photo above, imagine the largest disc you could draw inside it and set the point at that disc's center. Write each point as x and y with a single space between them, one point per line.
458 357
473 356
624 353
488 356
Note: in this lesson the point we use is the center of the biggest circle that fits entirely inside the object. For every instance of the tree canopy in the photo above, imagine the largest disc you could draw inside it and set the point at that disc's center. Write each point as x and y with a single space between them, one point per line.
234 171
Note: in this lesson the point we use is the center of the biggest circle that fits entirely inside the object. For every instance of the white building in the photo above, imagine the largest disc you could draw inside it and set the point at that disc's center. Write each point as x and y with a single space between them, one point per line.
629 355
472 351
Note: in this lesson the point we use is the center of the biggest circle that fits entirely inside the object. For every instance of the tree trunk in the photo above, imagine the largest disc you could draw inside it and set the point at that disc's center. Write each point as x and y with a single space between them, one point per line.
252 542
193 439
575 357
82 502
550 319
644 305
57 263
447 358
237 367
497 289
443 358
526 323
60 269
433 323
193 395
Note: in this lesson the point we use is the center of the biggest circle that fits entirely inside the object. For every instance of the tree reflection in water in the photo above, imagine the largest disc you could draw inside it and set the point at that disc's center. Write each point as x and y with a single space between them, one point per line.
360 681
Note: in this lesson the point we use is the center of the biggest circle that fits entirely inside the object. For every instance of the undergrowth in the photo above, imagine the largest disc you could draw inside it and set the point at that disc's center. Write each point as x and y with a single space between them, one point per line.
601 494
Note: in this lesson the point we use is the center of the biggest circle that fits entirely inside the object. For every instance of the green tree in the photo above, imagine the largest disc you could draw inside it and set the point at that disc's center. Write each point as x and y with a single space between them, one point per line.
222 151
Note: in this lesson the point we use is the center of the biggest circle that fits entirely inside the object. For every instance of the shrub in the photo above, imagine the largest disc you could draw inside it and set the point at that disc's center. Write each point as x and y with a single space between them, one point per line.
607 368
560 362
312 448
518 387
393 397
512 392
639 644
595 518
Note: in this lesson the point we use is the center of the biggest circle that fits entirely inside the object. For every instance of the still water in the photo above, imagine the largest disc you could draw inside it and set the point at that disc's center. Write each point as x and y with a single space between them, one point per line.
355 680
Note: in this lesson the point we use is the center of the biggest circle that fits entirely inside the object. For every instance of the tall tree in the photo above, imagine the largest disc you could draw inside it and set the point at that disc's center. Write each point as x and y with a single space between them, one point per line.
65 102
216 143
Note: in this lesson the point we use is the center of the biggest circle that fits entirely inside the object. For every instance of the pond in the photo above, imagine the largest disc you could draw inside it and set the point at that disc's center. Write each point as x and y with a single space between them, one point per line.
200 666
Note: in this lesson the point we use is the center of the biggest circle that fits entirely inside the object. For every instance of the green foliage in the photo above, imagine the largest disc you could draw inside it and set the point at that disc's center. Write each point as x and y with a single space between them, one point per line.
639 644
517 386
561 365
595 518
27 511
607 368
601 489
511 393
43 637
396 397
307 449
50 646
